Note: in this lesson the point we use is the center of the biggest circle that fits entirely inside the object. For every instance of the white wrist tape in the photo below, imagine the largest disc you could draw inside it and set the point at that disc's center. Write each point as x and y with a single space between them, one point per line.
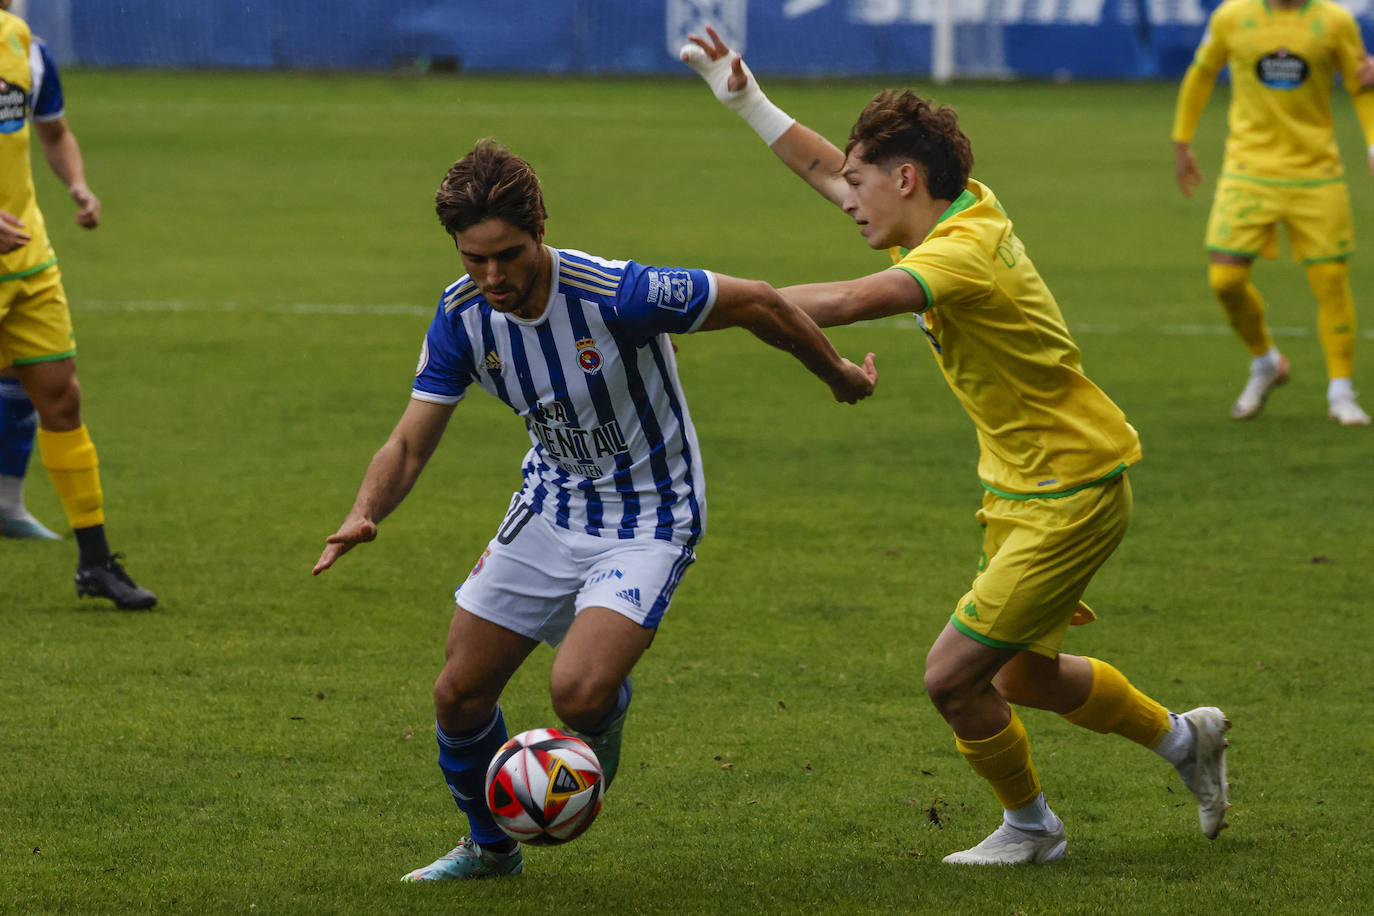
768 120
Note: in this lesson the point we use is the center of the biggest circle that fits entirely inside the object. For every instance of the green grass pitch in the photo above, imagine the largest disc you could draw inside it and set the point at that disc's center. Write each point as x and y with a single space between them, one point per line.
248 316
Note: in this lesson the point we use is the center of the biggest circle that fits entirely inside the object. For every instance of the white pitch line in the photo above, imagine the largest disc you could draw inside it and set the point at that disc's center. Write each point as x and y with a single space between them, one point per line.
900 323
294 308
1120 330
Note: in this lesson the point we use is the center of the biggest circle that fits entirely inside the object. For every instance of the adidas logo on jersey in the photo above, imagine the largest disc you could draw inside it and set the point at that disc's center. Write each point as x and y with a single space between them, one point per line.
493 362
629 594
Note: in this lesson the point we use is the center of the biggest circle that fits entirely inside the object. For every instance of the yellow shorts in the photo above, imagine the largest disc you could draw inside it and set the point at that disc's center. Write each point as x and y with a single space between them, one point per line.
1039 555
35 323
1246 213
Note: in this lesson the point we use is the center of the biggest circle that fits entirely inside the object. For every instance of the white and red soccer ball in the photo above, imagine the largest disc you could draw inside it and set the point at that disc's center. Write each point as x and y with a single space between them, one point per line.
544 787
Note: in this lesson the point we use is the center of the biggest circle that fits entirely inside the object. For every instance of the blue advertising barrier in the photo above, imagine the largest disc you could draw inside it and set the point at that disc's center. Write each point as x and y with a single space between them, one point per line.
1044 39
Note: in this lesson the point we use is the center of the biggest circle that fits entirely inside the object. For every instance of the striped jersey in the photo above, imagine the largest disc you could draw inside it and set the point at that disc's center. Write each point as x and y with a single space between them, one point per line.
29 91
612 448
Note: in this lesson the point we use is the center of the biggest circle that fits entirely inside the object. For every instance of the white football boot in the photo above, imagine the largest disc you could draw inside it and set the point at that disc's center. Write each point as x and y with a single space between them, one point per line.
1008 845
1264 378
468 860
27 527
1204 772
1346 411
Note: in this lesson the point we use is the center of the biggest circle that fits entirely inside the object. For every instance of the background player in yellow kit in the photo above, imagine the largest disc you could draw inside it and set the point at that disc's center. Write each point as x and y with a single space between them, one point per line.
1053 448
18 419
35 325
1281 165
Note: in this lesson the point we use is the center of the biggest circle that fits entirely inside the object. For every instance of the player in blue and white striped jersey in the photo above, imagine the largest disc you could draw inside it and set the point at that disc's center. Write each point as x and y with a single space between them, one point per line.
599 536
613 452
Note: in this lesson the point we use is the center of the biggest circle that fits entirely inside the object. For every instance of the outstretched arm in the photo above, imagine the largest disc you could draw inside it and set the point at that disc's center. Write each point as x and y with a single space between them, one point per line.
393 471
815 159
64 156
888 292
761 310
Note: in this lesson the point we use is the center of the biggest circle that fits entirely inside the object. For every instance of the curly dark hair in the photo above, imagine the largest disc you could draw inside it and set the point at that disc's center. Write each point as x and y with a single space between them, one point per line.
902 125
490 182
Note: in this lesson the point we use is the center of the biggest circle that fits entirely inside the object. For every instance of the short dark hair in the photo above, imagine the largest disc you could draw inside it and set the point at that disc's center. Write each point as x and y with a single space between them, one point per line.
905 126
490 182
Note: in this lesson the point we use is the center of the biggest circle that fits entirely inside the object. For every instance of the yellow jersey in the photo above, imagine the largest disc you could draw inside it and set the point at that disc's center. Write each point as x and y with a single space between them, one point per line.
1044 429
17 195
1283 64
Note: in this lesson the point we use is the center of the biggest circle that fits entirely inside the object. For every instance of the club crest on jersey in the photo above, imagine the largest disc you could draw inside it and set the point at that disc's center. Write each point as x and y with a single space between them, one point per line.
14 107
1281 70
481 561
588 356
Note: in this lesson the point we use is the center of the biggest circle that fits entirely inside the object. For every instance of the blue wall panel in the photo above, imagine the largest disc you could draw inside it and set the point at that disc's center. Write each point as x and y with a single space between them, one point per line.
1075 39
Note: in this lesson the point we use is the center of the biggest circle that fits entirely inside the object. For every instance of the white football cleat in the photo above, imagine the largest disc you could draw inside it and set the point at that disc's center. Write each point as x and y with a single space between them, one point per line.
468 860
1204 772
1263 379
27 527
1008 845
1346 411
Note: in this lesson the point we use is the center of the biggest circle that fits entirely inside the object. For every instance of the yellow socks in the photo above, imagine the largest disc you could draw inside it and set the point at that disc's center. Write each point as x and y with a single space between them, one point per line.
1330 282
1243 305
1115 707
75 471
1004 761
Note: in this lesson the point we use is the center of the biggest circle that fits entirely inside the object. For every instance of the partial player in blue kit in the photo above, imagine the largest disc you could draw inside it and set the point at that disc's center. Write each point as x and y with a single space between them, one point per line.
613 502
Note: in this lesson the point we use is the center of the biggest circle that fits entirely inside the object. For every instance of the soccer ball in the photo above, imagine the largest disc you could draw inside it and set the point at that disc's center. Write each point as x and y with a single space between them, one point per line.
544 787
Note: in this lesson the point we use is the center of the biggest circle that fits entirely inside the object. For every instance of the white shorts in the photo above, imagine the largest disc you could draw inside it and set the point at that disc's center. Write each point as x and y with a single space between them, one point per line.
535 577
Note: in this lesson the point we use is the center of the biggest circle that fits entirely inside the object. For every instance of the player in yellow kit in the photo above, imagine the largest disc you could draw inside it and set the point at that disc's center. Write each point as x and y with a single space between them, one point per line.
1054 449
36 337
1281 165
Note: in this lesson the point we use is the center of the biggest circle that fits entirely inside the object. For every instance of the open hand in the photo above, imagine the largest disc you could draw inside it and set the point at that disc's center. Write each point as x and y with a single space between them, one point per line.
352 532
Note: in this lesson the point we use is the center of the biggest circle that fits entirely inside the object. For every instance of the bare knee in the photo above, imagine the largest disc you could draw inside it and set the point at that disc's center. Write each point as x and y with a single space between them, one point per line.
55 393
948 688
461 705
581 702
